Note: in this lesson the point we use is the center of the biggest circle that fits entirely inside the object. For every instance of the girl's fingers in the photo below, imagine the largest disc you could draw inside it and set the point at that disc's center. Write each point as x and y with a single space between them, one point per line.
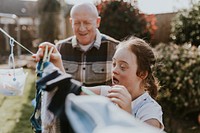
117 102
115 95
119 89
120 96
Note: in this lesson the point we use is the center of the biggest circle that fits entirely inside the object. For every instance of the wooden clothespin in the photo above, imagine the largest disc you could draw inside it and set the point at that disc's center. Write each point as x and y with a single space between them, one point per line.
46 57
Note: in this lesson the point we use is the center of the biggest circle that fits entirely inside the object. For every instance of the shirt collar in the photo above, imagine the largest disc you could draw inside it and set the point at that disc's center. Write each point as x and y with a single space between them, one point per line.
140 98
96 43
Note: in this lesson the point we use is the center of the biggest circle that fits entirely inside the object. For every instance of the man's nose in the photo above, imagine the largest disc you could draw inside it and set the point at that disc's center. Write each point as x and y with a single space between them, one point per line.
82 27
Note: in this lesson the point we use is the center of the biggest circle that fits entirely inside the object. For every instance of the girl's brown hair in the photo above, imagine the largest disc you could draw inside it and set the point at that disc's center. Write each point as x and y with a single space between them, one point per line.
145 61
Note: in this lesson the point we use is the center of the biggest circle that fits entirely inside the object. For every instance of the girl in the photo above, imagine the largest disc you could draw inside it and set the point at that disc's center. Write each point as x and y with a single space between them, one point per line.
134 85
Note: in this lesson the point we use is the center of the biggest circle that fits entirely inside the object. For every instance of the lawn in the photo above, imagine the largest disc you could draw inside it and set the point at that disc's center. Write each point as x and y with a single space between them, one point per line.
15 111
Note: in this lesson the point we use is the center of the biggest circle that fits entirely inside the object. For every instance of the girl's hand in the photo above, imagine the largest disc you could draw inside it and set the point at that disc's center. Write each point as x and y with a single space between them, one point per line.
55 56
120 96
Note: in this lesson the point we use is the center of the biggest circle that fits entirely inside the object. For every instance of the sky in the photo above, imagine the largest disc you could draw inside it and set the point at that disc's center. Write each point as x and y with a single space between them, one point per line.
153 6
149 6
162 6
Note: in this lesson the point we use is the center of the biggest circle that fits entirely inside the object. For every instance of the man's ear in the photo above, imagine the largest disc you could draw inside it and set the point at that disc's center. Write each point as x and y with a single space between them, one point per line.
98 21
70 20
143 74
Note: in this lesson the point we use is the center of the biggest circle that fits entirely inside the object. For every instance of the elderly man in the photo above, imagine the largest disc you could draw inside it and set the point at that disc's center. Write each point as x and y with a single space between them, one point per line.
87 55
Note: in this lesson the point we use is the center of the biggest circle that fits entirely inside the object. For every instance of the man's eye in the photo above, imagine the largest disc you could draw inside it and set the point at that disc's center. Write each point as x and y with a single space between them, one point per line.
114 64
86 23
76 23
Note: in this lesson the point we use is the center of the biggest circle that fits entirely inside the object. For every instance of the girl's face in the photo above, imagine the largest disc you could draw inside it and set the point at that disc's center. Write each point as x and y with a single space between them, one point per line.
124 70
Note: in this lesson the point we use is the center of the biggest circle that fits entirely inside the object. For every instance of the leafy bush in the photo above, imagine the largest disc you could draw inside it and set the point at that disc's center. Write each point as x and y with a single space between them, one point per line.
120 19
179 77
186 26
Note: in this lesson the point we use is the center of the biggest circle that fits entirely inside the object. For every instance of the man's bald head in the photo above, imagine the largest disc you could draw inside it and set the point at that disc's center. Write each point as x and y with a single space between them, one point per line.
84 7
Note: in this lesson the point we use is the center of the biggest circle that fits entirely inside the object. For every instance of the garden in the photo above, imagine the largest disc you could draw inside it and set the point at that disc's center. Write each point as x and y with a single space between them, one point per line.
178 68
178 61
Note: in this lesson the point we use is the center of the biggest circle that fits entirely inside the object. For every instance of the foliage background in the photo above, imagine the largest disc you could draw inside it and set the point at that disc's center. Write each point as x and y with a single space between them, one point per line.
178 71
125 20
186 25
177 68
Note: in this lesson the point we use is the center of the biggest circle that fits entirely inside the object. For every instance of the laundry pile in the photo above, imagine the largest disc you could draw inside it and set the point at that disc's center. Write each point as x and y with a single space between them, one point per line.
61 109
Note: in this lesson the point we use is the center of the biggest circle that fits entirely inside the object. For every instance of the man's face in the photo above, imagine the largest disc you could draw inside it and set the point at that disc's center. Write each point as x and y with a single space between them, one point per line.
84 26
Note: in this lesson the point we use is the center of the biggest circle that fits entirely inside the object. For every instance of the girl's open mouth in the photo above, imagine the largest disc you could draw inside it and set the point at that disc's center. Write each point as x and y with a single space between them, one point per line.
115 81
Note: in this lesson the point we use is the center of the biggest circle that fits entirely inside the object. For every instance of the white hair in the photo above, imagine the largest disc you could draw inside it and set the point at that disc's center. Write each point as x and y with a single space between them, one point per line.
86 5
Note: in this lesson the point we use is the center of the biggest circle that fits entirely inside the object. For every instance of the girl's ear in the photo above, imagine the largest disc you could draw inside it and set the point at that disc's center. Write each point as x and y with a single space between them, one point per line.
143 74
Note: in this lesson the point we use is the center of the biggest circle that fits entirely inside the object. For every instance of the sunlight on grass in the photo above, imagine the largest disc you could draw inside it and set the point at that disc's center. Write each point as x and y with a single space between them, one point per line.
15 111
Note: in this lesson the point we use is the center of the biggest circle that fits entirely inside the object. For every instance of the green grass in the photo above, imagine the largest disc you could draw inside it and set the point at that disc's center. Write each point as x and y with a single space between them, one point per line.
15 111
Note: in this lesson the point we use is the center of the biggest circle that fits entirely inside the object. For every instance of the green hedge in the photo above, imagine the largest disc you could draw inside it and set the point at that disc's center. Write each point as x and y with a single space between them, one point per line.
120 19
179 74
186 25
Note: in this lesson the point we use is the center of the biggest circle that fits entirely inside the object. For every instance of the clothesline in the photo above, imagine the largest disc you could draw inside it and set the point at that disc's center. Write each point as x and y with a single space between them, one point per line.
15 41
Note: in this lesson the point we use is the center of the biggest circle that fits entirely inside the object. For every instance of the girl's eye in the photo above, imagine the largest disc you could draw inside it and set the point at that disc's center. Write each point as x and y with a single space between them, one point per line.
122 67
114 64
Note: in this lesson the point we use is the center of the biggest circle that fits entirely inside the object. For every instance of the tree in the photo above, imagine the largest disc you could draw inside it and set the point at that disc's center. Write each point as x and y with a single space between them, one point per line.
121 19
186 26
49 19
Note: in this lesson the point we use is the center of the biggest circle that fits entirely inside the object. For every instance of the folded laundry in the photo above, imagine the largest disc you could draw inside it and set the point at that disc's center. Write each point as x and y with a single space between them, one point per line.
53 86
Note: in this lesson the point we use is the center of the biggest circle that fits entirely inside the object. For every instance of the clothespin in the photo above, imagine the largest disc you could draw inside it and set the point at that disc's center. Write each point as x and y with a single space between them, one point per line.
11 60
49 54
46 57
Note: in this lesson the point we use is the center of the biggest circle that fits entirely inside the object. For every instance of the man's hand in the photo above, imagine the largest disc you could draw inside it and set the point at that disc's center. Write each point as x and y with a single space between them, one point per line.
55 56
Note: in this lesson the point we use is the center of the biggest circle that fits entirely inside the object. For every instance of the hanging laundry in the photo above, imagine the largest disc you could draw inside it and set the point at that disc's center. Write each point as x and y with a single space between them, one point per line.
12 81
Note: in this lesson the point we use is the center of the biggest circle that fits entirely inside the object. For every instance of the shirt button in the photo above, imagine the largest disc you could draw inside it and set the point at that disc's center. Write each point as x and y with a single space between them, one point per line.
83 68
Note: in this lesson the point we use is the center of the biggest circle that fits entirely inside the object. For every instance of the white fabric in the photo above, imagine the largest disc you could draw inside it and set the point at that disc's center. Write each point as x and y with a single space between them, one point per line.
143 108
12 81
48 119
104 90
97 114
85 47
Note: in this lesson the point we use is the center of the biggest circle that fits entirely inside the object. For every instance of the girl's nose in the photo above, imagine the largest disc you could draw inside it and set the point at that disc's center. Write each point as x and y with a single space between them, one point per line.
115 70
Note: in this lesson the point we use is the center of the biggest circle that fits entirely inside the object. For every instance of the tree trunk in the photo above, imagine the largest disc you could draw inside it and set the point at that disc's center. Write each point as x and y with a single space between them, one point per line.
49 12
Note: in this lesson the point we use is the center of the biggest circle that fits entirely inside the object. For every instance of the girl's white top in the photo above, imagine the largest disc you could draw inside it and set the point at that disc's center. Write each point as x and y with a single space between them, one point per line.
144 107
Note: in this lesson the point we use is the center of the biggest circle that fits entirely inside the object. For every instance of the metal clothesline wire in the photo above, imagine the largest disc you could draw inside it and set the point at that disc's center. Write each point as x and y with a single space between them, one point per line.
15 41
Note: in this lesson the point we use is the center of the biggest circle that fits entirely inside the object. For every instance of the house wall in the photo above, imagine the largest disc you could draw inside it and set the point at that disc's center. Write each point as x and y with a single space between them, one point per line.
162 34
27 35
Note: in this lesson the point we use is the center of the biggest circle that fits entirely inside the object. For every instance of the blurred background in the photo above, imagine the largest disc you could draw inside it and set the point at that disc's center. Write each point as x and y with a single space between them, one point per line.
172 27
